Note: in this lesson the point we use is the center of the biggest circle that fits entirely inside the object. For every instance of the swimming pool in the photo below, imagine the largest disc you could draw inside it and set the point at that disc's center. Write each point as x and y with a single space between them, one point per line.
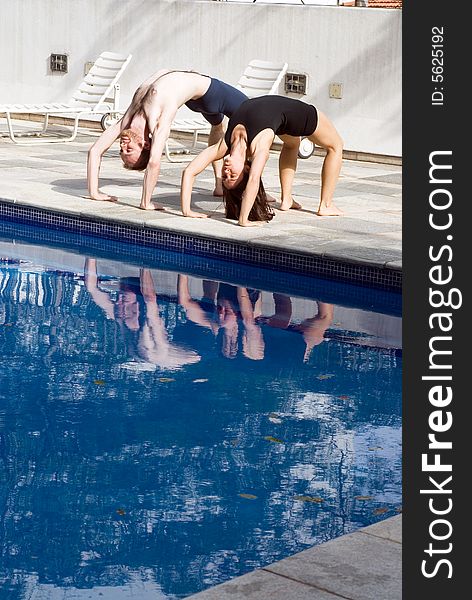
162 432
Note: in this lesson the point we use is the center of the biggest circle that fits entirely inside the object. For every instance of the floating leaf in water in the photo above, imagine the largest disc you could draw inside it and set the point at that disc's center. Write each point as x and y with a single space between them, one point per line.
344 397
166 379
199 380
120 511
380 511
327 376
315 499
248 496
99 382
363 497
270 438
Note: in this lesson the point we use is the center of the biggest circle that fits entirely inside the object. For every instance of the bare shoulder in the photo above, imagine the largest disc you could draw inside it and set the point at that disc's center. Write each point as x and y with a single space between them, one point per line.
182 85
262 142
154 77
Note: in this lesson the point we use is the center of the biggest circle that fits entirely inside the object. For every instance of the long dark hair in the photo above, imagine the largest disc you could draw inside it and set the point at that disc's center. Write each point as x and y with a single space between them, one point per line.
260 211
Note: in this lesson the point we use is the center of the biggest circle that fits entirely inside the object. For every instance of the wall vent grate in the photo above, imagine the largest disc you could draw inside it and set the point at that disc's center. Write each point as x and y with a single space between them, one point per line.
59 63
295 83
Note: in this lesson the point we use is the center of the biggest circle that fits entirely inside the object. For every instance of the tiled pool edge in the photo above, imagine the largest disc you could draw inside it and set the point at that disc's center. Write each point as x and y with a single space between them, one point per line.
364 565
232 272
344 269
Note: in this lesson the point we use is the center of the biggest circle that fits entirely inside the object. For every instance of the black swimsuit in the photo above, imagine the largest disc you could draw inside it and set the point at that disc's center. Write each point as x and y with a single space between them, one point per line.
282 115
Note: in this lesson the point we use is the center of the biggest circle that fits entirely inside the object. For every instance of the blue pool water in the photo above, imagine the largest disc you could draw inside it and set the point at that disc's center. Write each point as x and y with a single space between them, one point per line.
161 432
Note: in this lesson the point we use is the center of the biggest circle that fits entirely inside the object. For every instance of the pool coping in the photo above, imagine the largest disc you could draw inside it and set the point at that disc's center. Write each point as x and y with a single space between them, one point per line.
363 565
367 271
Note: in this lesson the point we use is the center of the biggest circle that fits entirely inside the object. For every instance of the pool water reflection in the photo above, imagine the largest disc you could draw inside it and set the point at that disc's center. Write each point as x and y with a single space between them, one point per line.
160 433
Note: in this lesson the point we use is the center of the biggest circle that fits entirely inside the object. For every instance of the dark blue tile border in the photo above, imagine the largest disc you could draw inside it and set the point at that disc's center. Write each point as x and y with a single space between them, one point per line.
342 293
383 278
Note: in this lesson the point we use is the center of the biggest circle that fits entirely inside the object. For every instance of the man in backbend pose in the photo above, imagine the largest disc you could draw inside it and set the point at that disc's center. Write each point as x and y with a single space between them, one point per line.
145 127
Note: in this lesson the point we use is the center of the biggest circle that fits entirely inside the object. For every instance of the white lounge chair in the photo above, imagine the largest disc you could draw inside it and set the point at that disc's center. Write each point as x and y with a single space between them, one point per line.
98 94
260 78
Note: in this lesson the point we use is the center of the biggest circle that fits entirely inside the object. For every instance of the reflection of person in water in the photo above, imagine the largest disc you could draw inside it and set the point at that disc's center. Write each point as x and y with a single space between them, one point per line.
202 312
312 329
236 303
236 306
136 307
221 309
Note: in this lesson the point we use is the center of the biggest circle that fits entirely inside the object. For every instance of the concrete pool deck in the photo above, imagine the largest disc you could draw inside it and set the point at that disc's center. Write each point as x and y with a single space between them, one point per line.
366 564
53 177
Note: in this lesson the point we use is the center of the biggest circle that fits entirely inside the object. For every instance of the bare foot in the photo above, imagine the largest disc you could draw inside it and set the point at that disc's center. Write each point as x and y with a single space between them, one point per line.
218 191
290 204
251 223
152 206
195 215
329 211
102 198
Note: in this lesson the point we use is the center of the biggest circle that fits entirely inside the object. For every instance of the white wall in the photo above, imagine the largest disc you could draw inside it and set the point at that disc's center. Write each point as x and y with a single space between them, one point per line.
360 48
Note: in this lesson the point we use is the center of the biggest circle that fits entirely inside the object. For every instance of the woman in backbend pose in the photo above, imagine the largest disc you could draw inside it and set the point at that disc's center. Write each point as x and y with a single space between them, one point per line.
246 145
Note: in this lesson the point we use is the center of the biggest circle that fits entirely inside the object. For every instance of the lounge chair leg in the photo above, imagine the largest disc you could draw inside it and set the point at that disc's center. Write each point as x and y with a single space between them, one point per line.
74 132
28 142
10 129
45 123
167 152
116 96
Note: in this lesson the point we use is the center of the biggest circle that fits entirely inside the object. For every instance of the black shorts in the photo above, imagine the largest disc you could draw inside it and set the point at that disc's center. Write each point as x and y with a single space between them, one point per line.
218 101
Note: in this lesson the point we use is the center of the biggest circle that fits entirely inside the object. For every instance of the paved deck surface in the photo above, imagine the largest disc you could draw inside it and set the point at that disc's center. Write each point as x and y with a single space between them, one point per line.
54 176
365 565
